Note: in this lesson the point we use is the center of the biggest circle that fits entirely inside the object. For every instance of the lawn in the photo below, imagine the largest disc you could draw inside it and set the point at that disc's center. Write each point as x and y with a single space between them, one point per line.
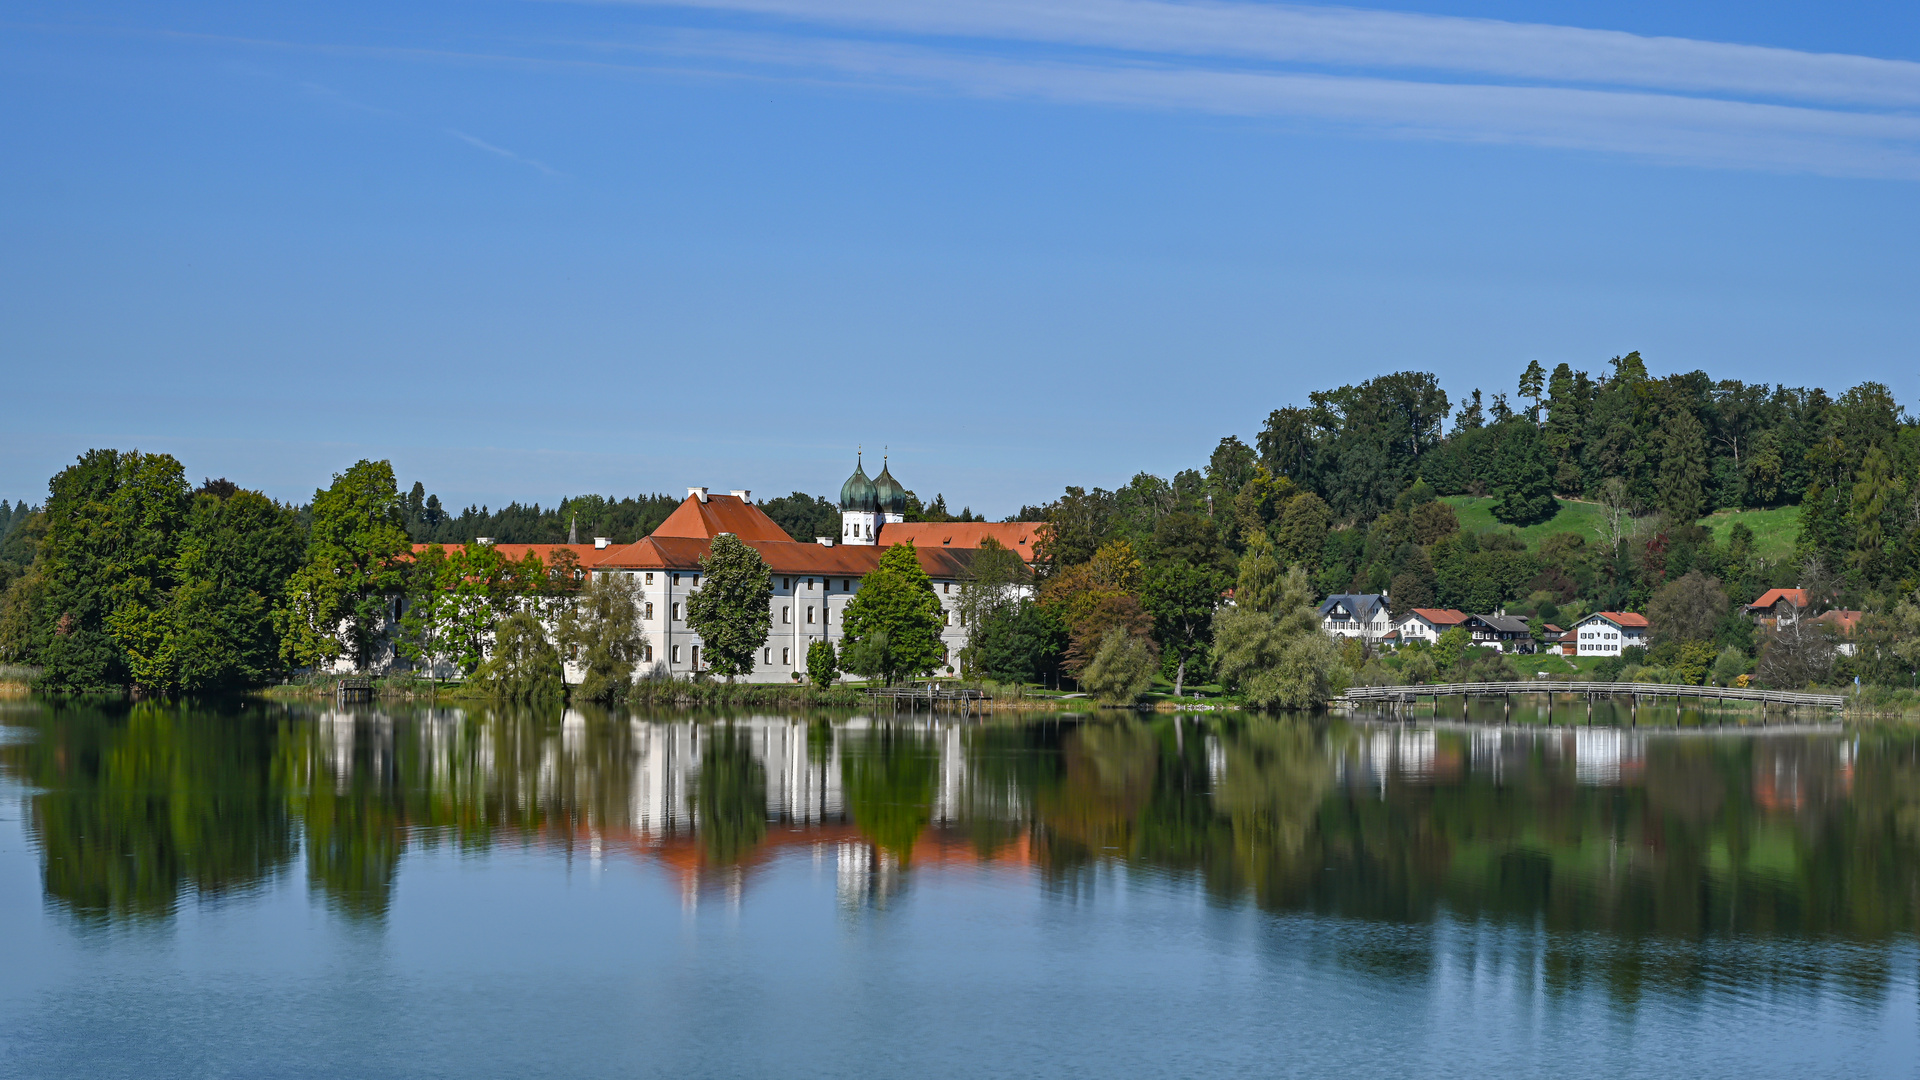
1774 531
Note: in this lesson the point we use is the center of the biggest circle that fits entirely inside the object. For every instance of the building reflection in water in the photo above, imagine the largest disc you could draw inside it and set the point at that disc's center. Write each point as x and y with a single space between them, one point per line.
1629 835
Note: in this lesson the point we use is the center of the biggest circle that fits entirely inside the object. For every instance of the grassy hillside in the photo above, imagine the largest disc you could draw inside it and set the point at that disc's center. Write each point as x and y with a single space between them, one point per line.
1774 531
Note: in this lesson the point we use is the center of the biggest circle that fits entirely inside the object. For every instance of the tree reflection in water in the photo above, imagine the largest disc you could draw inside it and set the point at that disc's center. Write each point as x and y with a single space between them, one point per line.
1627 849
730 796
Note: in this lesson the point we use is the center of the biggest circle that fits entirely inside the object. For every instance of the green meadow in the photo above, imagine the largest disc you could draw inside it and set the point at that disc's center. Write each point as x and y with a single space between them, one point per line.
1774 531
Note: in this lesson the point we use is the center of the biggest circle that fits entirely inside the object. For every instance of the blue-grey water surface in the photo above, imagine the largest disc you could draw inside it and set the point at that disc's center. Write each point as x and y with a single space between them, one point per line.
272 891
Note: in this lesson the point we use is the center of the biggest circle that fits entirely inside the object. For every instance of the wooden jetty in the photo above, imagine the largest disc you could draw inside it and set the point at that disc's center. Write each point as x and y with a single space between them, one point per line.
929 695
355 689
1401 697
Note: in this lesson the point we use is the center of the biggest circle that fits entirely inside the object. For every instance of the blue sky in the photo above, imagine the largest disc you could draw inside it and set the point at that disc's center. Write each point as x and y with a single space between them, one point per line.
530 249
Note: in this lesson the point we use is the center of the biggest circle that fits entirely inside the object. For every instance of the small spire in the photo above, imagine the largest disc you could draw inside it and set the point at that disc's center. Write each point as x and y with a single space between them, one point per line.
573 530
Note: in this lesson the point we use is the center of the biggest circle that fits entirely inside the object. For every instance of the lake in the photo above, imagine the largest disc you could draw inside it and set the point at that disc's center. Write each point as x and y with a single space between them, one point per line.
265 890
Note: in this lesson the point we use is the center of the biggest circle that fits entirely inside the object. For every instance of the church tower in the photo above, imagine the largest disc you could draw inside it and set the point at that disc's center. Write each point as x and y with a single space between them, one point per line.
890 495
860 507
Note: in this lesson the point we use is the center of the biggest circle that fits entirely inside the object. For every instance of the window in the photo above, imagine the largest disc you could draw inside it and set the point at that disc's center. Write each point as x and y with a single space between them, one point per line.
786 614
809 584
809 613
646 653
649 577
676 612
676 654
676 579
845 585
696 581
826 613
786 657
696 656
946 586
766 656
649 611
786 583
949 616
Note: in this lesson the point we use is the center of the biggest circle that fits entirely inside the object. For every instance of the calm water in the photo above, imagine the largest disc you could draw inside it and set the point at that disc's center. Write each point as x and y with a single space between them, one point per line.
272 891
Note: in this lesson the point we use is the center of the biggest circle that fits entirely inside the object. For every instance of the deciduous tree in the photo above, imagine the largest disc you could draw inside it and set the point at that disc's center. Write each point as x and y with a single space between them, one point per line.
729 611
897 600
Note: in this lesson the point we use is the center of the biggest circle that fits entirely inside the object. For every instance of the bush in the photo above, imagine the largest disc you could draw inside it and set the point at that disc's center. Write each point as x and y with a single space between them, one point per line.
1121 670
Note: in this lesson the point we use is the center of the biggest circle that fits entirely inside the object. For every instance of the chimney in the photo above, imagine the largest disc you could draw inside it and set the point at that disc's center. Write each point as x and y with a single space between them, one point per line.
823 541
697 493
600 542
742 494
483 540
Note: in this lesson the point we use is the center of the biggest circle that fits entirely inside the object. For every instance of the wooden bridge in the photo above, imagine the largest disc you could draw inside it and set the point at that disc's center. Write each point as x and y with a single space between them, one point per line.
1399 696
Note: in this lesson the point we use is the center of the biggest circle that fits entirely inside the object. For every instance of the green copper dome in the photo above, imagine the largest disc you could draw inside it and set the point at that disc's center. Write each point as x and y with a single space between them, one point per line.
888 492
858 492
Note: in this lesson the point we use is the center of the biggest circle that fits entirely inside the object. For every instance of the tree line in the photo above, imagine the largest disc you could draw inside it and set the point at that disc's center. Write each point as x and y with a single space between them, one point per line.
1215 571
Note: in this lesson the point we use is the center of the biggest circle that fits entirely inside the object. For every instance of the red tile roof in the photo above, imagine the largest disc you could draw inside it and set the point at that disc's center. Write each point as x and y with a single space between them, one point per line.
1798 597
706 519
1622 618
1020 536
586 553
784 557
1845 622
1440 616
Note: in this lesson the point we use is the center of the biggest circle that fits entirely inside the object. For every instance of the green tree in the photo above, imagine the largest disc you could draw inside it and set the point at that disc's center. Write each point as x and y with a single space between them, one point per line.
1121 669
1524 480
729 611
523 665
1279 659
896 600
1874 491
1019 643
1258 587
600 630
823 664
110 563
1683 470
1182 598
341 599
1689 608
994 580
1533 384
236 552
1303 530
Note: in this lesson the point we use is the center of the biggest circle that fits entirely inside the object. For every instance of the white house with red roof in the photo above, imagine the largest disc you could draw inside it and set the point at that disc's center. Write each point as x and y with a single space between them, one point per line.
1427 624
1605 633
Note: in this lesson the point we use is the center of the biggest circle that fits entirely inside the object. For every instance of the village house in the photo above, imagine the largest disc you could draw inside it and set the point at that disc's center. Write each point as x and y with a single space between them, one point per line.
1779 609
1508 633
1427 624
1356 615
1605 633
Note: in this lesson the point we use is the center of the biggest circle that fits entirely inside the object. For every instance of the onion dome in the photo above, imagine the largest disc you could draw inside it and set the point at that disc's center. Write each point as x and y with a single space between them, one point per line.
888 492
858 493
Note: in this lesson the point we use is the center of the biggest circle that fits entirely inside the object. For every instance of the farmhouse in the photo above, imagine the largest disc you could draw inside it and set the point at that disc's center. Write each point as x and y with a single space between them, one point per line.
1605 633
1427 624
1356 615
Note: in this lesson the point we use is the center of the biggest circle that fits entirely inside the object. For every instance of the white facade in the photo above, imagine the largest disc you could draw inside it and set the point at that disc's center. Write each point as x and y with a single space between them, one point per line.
1599 635
1418 627
1356 615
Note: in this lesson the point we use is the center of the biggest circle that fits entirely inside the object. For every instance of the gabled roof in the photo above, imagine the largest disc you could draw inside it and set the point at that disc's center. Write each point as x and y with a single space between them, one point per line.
1505 624
1626 620
704 519
1843 622
1797 597
1019 536
1360 604
1440 616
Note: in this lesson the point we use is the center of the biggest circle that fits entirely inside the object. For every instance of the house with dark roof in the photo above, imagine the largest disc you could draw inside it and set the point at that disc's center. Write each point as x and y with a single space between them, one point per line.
1508 633
1356 615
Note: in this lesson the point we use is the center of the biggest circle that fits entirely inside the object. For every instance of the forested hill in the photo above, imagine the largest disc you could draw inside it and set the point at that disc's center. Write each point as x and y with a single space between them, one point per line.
1334 485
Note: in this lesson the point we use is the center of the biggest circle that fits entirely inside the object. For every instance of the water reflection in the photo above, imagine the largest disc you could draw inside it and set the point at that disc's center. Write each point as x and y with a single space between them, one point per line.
1650 839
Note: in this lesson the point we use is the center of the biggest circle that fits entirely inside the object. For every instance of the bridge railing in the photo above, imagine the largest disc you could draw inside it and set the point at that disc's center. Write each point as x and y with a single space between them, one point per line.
1609 689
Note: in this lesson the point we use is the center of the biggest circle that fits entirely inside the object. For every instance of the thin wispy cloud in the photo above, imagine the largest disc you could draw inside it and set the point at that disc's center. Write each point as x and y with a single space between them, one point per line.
500 151
1402 75
1373 39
